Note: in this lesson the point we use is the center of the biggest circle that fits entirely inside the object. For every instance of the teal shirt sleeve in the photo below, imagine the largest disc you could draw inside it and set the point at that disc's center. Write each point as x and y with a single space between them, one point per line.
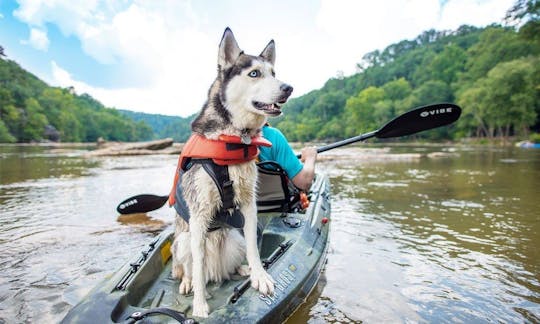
280 152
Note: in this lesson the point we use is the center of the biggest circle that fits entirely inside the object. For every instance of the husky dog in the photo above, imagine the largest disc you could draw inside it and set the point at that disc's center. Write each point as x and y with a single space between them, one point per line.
244 93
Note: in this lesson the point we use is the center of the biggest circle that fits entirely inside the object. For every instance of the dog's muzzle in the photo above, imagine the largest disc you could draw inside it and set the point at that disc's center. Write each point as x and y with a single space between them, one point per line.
274 109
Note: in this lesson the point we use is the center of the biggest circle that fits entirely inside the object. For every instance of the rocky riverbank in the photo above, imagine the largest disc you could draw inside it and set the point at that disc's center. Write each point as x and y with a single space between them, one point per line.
162 146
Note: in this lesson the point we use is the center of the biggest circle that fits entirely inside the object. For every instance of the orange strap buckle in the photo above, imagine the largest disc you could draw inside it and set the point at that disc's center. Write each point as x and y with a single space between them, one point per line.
304 201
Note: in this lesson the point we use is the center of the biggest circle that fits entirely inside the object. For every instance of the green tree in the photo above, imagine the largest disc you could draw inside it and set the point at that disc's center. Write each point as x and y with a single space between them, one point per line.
33 121
5 135
475 118
446 65
360 111
496 45
514 95
430 92
507 100
527 14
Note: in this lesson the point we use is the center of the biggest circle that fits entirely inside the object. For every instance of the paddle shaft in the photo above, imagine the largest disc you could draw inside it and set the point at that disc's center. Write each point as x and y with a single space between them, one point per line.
344 142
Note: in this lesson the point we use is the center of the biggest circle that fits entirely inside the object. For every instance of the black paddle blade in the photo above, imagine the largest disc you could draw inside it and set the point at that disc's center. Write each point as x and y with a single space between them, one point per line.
141 204
420 119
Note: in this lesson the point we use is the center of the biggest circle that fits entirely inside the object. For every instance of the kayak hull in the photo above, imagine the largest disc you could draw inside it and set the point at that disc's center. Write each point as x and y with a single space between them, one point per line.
293 248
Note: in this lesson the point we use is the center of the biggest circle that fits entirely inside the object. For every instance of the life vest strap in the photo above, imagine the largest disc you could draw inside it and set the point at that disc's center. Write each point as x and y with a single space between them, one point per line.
227 150
229 214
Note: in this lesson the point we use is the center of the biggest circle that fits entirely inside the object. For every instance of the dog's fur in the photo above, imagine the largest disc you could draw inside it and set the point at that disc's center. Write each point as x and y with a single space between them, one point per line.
244 93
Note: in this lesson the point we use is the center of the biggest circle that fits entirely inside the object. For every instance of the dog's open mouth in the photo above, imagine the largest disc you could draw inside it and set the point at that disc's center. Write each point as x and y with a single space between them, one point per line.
273 109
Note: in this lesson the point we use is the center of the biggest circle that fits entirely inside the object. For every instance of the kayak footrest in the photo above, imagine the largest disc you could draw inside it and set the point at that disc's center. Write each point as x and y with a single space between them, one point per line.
276 254
178 316
241 288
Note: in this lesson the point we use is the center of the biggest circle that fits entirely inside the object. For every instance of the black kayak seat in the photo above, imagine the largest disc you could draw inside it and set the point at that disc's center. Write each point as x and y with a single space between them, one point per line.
276 192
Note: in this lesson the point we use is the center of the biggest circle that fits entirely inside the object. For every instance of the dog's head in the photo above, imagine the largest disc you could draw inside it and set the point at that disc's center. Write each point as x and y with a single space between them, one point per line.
248 82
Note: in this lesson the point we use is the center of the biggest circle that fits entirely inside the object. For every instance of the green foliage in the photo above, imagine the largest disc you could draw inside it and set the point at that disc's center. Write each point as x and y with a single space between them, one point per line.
534 137
162 126
506 100
492 73
5 135
495 45
28 106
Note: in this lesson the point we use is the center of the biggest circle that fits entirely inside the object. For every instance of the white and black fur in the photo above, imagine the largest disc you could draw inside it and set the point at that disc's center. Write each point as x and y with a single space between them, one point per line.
244 93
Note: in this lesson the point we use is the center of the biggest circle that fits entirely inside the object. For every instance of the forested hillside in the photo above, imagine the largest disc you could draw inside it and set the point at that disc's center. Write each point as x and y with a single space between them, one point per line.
30 110
163 126
493 73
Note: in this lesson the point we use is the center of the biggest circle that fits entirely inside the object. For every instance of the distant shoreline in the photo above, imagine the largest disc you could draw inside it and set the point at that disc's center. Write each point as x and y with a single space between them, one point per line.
467 142
53 144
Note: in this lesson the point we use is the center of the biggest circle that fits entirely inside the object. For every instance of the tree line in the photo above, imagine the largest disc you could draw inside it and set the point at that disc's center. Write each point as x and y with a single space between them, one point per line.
30 110
177 128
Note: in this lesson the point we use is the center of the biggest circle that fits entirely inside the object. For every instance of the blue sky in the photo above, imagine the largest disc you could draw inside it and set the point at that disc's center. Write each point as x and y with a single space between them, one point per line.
160 56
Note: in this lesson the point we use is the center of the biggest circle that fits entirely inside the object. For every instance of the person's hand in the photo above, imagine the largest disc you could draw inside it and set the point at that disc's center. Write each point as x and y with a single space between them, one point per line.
308 153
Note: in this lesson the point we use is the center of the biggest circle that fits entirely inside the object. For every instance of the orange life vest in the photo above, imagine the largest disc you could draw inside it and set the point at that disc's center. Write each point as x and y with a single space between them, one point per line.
227 150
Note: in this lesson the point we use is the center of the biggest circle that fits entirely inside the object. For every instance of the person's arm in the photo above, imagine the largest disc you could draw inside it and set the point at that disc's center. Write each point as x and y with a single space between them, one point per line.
304 178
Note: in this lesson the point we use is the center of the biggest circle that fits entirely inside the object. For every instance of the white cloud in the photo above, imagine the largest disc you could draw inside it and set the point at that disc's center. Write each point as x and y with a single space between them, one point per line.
359 27
170 47
177 62
477 13
376 23
38 40
165 97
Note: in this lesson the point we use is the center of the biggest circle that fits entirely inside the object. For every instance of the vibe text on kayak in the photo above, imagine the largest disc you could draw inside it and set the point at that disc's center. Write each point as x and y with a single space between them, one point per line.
436 112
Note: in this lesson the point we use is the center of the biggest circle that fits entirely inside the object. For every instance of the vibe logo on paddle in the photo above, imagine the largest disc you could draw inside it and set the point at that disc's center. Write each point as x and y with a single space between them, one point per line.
436 112
128 203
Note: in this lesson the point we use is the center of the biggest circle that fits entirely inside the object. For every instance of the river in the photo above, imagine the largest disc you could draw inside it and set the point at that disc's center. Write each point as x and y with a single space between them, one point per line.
427 233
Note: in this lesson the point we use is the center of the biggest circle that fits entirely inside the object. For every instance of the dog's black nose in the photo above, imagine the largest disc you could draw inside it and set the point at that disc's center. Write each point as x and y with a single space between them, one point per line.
287 89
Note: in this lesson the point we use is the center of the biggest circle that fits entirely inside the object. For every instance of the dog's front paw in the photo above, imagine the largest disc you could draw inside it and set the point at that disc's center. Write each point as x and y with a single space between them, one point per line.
177 271
262 281
243 270
185 286
200 308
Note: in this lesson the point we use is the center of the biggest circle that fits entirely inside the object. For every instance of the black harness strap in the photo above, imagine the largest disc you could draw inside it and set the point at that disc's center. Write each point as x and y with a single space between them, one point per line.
220 175
238 146
229 214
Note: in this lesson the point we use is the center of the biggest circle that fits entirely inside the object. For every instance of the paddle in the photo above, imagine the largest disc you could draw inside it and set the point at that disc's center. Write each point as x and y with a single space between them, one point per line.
411 122
141 204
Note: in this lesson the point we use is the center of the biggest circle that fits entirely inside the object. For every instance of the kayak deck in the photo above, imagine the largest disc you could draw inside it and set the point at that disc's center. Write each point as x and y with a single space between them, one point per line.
293 248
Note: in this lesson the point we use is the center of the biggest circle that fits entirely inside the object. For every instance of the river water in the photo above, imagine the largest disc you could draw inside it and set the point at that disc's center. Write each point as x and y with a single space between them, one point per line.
418 233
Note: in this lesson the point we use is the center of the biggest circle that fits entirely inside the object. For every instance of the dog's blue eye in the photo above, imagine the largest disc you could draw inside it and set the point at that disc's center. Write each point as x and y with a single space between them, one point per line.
255 74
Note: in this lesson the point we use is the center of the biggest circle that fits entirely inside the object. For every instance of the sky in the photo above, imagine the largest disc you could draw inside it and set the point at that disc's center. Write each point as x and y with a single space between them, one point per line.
160 57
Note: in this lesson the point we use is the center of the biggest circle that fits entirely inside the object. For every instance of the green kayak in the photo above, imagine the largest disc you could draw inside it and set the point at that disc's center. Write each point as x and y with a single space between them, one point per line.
293 248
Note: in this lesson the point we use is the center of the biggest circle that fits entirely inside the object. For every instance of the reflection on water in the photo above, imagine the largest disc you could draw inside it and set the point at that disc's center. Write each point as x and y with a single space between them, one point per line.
450 238
59 231
419 234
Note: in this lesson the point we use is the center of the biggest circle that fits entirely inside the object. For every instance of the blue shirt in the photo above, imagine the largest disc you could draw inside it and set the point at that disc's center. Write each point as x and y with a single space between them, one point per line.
280 152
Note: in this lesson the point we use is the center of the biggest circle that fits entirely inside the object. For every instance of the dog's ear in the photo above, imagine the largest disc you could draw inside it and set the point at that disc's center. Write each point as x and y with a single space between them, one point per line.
228 49
269 52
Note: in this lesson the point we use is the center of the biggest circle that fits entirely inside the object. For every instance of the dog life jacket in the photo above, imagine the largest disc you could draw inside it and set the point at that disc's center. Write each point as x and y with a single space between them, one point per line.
215 156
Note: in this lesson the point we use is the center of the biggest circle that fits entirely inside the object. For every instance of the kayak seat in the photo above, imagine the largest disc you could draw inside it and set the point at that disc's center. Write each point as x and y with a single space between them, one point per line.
276 192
